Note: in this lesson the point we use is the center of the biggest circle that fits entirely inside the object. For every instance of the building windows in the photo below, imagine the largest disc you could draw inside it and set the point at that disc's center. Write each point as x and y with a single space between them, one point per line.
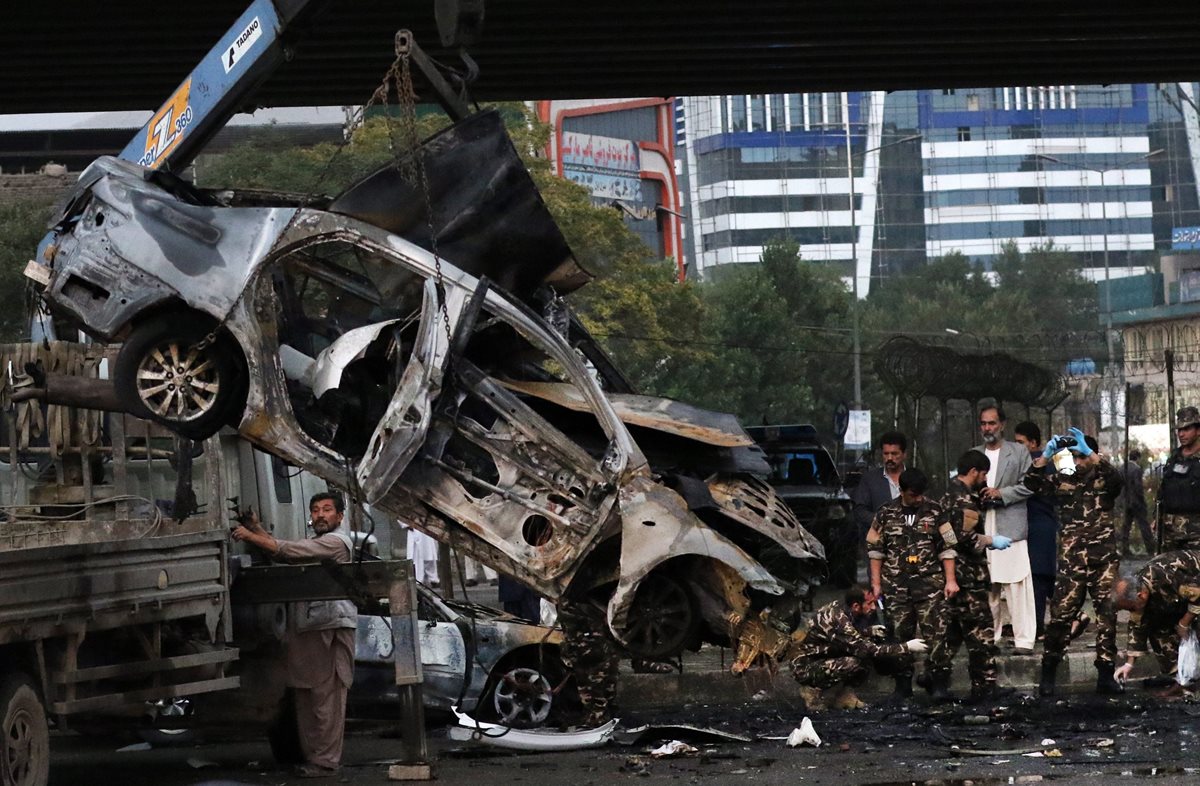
964 133
758 113
805 236
800 203
737 113
777 112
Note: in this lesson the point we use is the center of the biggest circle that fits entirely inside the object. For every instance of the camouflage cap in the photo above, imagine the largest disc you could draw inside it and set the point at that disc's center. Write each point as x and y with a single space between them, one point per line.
1187 416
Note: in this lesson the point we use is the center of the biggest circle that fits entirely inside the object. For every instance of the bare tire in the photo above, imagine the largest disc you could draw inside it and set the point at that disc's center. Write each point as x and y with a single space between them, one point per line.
663 619
25 747
167 372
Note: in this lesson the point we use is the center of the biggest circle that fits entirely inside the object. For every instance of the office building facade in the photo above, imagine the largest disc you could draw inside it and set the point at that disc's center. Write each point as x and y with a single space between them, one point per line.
879 183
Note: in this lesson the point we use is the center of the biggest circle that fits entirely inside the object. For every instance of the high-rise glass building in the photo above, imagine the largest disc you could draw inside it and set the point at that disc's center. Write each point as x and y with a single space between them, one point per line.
890 180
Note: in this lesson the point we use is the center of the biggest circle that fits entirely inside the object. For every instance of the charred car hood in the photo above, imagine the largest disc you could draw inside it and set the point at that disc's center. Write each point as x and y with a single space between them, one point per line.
488 216
674 436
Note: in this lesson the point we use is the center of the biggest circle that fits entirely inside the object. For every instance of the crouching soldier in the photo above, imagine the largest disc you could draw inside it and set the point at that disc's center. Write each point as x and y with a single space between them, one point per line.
838 651
1087 554
912 566
1163 600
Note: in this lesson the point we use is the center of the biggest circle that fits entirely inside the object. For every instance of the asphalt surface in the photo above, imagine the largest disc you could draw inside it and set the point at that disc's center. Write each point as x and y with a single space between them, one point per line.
1080 736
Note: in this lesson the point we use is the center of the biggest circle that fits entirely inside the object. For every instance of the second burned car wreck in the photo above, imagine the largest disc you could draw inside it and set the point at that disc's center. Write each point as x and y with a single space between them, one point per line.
431 386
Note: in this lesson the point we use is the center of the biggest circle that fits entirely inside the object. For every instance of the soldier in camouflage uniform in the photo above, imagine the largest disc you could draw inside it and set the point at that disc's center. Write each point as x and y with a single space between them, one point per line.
968 613
838 650
1088 554
912 567
1179 495
590 656
1163 600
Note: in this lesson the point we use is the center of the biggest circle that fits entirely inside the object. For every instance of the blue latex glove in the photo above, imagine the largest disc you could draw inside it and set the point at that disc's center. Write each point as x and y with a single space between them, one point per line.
1000 542
1050 449
1080 442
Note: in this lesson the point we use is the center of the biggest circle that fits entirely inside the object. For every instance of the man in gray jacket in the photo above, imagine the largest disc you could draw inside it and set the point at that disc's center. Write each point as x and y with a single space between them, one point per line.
1004 503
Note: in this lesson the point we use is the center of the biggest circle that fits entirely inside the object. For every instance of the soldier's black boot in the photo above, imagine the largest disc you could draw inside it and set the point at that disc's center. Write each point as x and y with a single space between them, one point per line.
1105 684
939 688
1049 674
903 686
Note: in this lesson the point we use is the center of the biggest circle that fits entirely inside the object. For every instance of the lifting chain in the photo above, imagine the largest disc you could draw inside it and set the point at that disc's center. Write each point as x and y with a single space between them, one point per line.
413 165
398 77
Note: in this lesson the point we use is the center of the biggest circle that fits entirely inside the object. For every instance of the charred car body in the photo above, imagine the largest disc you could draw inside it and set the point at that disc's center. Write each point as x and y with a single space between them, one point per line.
491 664
329 334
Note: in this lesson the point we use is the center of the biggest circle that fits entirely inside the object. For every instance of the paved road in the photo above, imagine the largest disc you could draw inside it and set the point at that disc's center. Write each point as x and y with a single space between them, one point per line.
1121 740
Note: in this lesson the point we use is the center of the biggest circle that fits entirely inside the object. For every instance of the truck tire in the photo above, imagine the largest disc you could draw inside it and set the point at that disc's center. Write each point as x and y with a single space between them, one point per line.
161 375
24 735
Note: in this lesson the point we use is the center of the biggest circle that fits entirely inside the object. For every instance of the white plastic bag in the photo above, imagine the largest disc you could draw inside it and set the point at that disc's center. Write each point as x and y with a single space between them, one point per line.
1189 659
805 735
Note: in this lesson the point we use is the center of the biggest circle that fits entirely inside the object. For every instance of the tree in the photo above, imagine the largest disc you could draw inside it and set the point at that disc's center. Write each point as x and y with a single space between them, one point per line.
652 324
776 330
22 226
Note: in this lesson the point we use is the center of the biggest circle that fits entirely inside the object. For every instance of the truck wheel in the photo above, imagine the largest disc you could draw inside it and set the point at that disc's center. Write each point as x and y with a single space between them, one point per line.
162 375
25 747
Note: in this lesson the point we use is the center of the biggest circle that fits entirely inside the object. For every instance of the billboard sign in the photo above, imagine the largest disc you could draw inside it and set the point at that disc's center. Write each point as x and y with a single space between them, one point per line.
1185 238
605 166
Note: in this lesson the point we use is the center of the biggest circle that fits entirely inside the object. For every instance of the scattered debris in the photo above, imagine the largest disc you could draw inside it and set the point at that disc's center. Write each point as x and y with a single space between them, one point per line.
199 764
135 748
673 748
679 731
470 730
805 735
977 720
1103 742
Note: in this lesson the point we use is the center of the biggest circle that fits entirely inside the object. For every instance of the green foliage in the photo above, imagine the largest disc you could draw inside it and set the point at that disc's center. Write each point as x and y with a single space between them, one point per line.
764 342
782 330
650 322
22 226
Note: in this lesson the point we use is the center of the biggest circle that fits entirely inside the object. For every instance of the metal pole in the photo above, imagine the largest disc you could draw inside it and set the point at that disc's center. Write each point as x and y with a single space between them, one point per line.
1169 357
854 270
945 441
1107 281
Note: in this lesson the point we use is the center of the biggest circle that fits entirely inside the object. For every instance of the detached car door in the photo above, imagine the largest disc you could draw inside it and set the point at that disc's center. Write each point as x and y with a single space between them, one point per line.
405 423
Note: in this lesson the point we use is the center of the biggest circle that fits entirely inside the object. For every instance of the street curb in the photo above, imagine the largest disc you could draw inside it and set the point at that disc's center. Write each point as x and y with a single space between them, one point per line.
703 682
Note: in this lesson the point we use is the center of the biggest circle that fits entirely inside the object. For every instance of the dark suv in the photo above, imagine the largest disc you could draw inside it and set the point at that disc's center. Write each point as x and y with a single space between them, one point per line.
806 478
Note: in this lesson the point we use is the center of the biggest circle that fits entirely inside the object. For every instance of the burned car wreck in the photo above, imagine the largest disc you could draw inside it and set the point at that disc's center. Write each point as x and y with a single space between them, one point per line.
328 333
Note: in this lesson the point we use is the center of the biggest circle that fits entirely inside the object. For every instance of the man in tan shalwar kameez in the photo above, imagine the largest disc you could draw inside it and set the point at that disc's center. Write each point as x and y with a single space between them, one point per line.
320 636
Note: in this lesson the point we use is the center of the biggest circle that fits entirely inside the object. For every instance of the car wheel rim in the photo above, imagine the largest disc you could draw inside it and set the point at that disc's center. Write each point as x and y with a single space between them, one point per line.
662 619
171 708
523 697
18 748
178 381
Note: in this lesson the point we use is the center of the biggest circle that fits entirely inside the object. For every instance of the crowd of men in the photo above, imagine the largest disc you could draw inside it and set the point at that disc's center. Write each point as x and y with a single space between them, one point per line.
1025 527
